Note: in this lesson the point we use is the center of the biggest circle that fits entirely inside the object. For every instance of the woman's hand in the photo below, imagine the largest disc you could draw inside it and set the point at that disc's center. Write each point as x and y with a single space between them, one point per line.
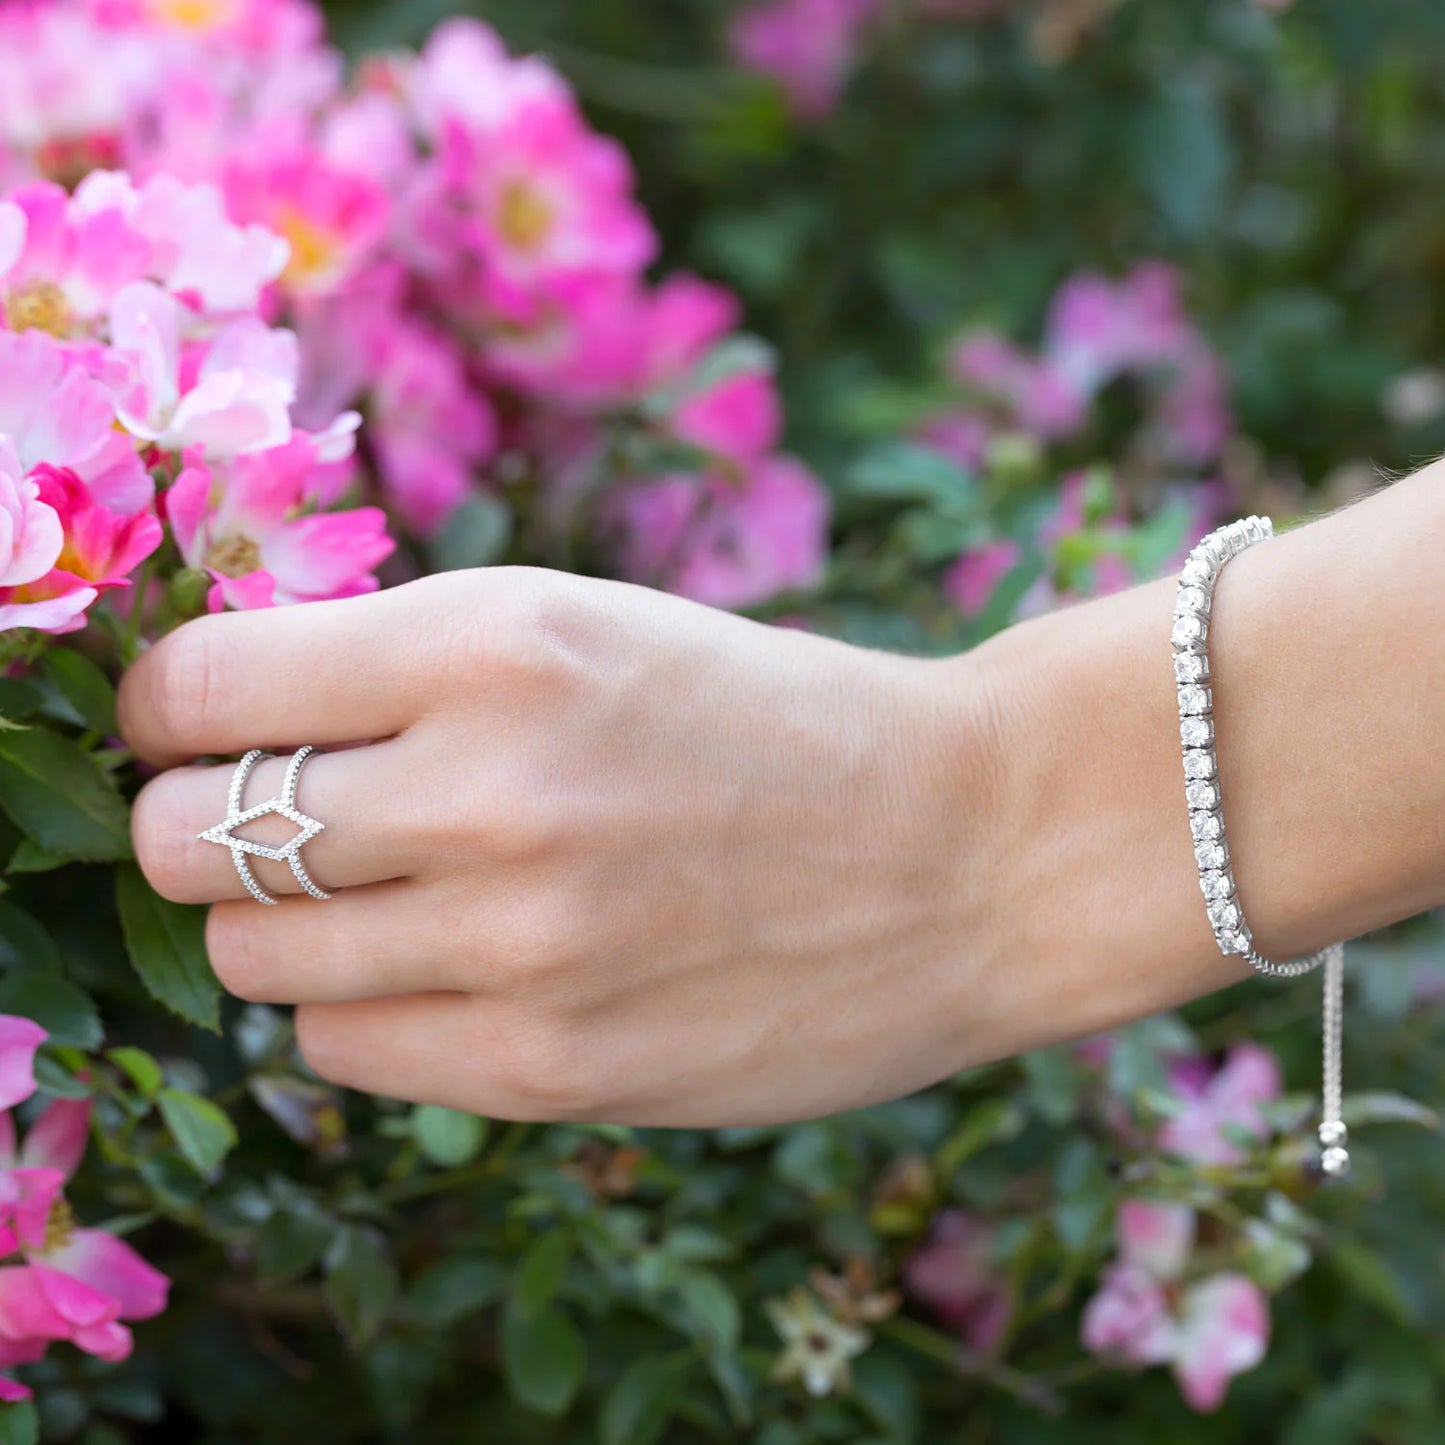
605 854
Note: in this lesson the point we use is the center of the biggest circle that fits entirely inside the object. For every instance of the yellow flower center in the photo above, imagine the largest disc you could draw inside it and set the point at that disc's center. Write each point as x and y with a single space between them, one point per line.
234 557
313 248
523 216
194 14
59 1226
39 306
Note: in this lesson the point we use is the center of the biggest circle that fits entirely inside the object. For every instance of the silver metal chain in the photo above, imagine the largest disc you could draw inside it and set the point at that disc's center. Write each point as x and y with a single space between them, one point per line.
1193 607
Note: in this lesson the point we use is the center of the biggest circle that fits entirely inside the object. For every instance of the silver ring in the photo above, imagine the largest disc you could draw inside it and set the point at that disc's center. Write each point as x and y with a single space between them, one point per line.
224 833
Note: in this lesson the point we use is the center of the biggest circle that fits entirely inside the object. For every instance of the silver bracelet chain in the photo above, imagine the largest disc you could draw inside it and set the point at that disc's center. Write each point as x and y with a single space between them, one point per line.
1193 606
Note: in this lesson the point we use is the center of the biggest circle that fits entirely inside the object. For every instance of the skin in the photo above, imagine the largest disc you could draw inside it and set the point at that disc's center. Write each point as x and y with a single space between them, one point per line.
603 854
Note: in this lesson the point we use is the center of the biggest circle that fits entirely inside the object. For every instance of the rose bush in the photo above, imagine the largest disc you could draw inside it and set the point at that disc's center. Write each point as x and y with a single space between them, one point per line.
1058 285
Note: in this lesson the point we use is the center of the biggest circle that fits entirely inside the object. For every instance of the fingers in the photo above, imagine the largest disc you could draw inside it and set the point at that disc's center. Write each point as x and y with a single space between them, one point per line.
324 672
466 1053
366 943
360 794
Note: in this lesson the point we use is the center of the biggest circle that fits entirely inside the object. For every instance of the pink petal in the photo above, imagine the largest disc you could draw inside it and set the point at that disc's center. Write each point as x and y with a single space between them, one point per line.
19 1039
58 1137
1159 1237
1129 1318
26 1313
326 555
110 1266
33 1193
75 1300
1250 1076
12 1392
1224 1331
12 236
106 1341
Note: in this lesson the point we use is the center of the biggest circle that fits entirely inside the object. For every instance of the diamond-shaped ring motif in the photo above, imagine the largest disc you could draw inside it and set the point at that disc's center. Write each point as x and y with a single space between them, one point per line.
284 806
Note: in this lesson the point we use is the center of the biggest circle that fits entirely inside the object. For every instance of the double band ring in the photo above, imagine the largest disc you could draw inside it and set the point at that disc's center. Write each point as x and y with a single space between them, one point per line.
237 816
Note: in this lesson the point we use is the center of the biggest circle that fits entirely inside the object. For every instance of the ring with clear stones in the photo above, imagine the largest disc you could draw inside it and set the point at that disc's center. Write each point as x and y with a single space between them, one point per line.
284 805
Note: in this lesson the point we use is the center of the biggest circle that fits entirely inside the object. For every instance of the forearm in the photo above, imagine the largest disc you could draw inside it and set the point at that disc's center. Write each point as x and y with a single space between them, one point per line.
1328 652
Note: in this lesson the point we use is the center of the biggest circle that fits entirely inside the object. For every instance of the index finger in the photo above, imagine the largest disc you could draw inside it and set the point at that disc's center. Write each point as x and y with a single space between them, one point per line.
318 673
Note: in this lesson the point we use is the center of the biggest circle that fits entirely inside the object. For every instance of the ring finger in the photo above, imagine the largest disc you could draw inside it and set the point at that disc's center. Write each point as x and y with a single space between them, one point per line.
357 794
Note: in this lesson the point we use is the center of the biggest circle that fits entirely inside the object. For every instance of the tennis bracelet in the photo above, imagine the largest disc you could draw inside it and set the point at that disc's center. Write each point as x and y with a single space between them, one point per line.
1193 605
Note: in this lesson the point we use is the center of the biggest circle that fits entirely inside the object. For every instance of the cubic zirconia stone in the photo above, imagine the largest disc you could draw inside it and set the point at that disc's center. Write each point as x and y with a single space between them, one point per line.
1193 699
1198 571
1196 732
1235 941
1188 630
1217 884
1190 667
1201 795
1205 826
1224 915
1199 763
1192 599
1213 856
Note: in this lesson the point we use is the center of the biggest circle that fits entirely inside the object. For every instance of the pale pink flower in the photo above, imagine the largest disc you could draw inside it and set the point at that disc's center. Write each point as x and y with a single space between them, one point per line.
955 1274
197 252
963 436
726 542
1040 398
248 524
465 74
232 399
808 46
972 581
1218 1102
1145 1313
56 413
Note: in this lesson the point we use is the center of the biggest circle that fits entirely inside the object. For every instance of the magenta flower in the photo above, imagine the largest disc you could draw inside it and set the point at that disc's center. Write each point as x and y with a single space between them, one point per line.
724 542
972 580
808 46
253 527
1145 1313
954 1273
1216 1102
70 1283
334 219
544 197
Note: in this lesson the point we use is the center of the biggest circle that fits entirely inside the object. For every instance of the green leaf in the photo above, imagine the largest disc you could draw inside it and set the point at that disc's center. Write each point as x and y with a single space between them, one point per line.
640 1404
19 1424
66 1012
55 792
84 687
544 1357
30 857
713 1309
167 945
19 699
139 1068
292 1242
904 471
1361 1109
478 535
452 1289
361 1282
24 943
988 1122
540 1274
202 1130
447 1137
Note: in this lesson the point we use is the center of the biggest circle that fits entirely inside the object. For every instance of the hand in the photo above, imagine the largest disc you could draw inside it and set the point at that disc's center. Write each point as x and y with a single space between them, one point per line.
604 854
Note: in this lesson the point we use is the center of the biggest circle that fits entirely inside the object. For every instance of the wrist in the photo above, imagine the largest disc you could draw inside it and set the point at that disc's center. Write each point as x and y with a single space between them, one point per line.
1095 914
